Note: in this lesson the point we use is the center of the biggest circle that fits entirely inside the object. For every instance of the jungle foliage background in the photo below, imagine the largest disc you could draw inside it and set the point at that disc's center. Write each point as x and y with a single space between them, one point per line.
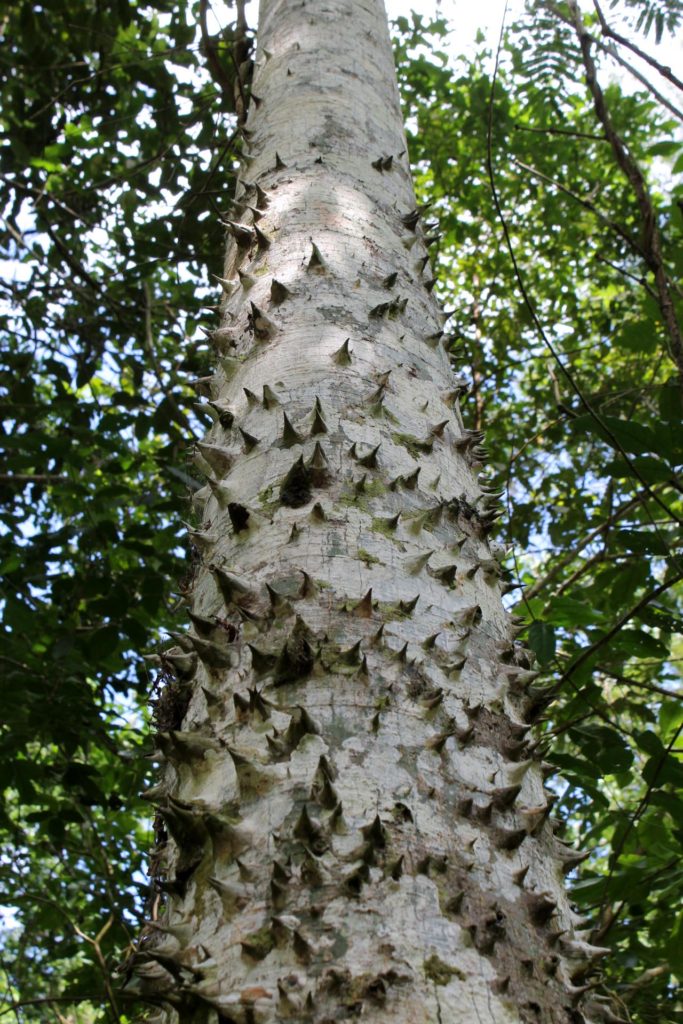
561 218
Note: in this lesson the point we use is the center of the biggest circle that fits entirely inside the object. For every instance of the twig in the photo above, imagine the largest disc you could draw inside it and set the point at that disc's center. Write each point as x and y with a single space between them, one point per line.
651 974
637 682
149 344
215 66
539 326
10 985
97 949
587 204
561 131
662 69
627 273
633 174
30 478
616 852
612 52
588 652
42 1000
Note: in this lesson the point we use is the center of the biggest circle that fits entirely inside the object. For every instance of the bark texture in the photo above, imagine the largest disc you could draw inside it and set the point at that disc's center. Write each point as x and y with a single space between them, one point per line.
355 820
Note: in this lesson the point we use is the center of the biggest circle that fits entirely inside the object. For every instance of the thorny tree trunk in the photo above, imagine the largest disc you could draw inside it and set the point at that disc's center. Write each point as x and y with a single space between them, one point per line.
357 824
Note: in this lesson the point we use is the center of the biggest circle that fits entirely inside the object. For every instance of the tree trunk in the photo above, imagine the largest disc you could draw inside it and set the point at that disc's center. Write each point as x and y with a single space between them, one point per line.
356 821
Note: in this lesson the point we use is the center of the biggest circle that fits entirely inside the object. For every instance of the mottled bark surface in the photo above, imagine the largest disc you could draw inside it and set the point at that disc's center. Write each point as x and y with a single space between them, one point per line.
357 824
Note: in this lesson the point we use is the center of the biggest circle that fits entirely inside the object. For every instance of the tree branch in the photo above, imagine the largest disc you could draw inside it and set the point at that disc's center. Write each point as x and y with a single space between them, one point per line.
587 204
633 174
612 52
561 131
218 73
537 323
588 652
662 69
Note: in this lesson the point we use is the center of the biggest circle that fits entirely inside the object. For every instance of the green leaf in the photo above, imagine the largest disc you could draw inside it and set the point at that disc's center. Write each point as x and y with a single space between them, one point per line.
632 437
589 891
606 747
567 611
674 947
637 337
644 467
643 541
104 641
670 717
671 402
639 644
542 641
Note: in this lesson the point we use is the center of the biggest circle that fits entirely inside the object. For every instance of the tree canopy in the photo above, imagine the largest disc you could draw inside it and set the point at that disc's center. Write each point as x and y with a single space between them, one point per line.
560 219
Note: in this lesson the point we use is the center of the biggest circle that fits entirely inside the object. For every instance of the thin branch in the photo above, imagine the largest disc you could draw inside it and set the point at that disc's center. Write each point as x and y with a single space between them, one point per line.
192 194
650 687
588 652
539 326
31 478
627 273
561 131
633 174
616 852
651 974
76 266
214 64
10 985
587 205
99 956
43 1000
180 416
662 69
138 58
612 52
599 556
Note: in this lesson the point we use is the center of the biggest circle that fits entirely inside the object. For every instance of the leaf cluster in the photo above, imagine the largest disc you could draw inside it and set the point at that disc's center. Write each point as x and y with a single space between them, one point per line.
559 320
116 150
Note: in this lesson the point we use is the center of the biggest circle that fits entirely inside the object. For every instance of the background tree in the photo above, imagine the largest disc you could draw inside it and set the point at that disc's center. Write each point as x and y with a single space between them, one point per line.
114 136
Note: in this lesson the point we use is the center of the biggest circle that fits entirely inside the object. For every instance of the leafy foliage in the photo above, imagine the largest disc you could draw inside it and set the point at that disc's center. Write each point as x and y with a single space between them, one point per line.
115 147
116 161
660 14
558 318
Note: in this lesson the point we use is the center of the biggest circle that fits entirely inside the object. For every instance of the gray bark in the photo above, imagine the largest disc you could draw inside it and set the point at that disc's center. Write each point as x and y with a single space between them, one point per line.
356 820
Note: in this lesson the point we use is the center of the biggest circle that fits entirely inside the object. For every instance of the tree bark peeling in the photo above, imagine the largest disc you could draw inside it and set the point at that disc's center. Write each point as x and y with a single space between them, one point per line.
355 823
